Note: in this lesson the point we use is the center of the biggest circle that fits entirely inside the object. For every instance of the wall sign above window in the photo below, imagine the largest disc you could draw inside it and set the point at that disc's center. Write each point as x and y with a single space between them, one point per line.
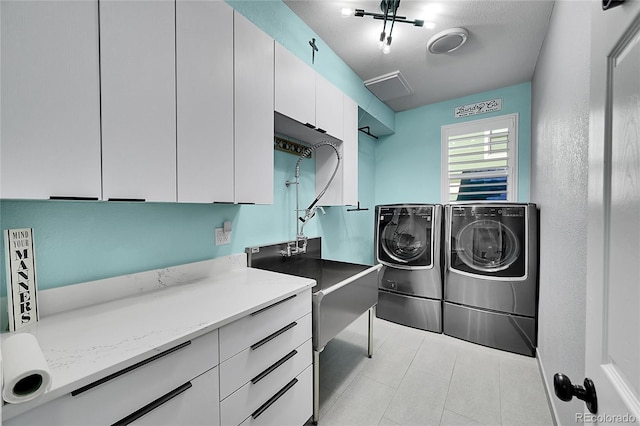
478 108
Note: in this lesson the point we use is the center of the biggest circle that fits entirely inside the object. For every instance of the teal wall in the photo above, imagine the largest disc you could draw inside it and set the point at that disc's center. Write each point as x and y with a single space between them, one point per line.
408 163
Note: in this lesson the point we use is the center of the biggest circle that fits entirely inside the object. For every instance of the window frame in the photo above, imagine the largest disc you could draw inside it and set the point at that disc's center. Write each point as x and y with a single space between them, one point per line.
509 121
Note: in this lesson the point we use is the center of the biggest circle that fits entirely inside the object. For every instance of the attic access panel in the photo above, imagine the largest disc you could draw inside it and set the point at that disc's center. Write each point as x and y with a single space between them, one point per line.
389 86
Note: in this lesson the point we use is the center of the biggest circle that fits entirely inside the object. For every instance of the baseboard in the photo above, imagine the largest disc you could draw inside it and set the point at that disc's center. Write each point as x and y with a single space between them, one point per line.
549 392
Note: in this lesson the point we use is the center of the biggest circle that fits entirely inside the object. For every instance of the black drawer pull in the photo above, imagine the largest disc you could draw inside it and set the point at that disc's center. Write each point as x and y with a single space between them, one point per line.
153 405
128 369
271 369
321 130
139 200
272 306
61 197
309 125
273 399
273 336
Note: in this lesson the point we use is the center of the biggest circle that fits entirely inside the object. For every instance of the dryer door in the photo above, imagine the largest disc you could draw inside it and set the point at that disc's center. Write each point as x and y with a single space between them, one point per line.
405 237
490 247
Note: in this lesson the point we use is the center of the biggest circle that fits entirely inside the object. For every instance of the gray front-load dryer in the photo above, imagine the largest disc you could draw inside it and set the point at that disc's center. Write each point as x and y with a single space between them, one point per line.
491 275
408 245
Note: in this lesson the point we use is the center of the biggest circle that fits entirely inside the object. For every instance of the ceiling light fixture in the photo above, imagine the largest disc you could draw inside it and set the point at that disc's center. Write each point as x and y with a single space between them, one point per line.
389 15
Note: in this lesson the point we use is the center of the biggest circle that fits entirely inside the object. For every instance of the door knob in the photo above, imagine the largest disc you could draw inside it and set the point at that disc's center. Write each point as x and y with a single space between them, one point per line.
565 390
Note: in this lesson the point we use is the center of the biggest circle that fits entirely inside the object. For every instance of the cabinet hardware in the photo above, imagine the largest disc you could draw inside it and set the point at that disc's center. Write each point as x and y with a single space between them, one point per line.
273 305
153 405
273 336
309 125
273 399
128 369
128 199
273 367
321 130
62 197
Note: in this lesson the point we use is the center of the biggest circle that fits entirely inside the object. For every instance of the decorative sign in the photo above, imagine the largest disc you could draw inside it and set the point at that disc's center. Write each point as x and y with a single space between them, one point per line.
478 108
21 278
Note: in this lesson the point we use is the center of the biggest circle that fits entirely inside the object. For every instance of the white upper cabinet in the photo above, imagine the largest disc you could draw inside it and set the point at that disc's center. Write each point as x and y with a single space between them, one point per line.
50 100
204 64
306 97
329 108
253 109
344 188
350 152
137 52
295 87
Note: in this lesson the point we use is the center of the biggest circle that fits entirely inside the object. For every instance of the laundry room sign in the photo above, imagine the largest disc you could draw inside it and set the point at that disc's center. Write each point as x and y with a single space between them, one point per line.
478 108
21 278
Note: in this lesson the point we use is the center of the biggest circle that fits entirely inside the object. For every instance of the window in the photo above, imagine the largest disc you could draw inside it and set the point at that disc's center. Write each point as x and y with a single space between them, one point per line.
479 160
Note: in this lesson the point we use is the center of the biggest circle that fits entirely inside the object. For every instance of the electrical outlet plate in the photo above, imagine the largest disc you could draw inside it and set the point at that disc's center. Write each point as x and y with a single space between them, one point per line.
222 237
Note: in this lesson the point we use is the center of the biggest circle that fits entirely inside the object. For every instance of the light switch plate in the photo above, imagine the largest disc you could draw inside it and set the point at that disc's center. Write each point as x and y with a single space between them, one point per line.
222 237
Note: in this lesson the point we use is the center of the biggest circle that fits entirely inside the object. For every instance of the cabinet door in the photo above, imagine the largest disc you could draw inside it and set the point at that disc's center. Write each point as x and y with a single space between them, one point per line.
197 404
50 99
137 55
350 152
295 87
329 114
343 190
204 65
253 82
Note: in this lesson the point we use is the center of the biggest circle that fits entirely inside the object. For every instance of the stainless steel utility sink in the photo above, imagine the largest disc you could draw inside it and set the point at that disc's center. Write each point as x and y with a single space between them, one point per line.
343 292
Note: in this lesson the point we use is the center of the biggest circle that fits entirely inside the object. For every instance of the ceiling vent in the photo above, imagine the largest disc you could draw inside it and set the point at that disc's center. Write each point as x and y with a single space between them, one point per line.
389 86
448 40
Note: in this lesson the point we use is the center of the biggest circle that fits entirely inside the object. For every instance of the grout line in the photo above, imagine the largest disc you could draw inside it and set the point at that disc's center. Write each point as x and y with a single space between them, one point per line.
455 362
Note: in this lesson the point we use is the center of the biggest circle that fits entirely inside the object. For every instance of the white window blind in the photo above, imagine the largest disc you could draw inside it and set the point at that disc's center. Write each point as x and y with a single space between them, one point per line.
479 160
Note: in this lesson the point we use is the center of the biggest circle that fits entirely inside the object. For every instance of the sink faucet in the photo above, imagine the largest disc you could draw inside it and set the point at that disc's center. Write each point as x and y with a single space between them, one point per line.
294 247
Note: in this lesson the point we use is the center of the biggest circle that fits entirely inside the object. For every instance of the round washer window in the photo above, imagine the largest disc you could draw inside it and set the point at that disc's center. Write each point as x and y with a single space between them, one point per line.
487 245
405 241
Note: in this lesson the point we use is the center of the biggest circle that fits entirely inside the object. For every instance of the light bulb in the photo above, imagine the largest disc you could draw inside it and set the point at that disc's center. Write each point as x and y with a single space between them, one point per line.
381 41
387 47
347 12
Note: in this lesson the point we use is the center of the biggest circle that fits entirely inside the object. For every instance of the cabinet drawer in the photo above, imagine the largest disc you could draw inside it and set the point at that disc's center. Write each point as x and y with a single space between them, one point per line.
257 326
190 405
242 367
292 405
246 400
108 401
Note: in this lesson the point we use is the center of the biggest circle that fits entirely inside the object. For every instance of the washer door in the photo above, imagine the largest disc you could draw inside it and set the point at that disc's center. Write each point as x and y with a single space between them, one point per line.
487 246
405 240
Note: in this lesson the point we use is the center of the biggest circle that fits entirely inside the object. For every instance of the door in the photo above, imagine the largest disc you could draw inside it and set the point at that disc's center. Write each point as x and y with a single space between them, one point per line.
612 315
405 239
138 94
490 241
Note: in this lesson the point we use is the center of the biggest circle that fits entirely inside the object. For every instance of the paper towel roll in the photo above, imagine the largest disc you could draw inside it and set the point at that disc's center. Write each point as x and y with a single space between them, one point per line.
26 374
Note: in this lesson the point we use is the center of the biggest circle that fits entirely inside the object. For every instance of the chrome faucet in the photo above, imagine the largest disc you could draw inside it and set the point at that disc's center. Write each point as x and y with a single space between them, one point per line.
294 247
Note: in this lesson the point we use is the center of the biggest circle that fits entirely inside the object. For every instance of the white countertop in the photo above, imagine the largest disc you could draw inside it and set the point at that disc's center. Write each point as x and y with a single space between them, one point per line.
89 343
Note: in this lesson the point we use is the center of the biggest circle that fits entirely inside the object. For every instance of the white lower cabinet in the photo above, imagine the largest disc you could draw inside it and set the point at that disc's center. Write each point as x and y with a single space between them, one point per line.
189 404
264 359
265 378
290 406
124 395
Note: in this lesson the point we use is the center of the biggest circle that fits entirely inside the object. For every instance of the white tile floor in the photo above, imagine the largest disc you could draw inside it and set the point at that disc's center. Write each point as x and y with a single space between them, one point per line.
421 378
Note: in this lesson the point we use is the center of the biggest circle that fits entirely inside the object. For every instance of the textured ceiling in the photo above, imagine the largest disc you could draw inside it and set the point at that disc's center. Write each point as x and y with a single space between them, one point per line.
505 37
